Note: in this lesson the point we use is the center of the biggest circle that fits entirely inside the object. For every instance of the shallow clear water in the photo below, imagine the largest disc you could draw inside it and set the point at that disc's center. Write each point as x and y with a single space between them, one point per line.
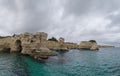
105 62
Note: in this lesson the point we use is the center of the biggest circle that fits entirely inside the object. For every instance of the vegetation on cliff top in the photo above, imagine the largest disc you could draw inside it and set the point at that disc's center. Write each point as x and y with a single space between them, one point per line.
92 41
53 39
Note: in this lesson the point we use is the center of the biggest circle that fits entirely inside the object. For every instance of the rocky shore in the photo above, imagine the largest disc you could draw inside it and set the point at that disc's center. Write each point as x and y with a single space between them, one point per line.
38 46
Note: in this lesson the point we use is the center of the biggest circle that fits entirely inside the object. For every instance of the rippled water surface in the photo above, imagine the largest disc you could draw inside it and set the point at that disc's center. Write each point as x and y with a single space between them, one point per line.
105 62
12 65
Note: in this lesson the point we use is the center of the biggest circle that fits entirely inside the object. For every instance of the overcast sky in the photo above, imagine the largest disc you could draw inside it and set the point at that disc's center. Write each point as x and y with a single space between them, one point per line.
75 20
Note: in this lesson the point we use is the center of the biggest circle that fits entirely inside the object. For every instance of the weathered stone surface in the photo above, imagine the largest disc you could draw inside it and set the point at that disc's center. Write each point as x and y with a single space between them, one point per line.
42 53
62 46
94 47
88 45
27 43
71 45
53 45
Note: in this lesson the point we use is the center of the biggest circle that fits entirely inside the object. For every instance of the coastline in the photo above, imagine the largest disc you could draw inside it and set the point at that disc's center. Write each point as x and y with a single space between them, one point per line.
38 45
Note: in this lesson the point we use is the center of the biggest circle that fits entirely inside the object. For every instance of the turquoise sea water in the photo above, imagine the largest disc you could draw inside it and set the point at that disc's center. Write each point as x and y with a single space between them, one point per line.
105 62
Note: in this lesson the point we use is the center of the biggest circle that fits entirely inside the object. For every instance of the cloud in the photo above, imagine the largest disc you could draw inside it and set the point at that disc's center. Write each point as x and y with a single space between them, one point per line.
25 15
80 7
75 20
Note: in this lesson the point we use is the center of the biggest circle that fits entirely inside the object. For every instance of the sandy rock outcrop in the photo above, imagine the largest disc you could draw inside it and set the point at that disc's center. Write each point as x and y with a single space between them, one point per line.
54 45
9 44
41 53
71 45
88 45
26 44
34 45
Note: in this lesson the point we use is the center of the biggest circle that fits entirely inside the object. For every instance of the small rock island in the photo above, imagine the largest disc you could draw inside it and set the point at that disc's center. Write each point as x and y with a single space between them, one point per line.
89 45
38 46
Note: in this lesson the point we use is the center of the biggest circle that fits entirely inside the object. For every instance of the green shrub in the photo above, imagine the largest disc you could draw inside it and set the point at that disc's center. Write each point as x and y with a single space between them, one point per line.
53 39
92 41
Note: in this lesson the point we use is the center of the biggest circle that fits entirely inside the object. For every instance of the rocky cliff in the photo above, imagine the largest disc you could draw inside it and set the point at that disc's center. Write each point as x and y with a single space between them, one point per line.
71 45
31 44
53 45
89 45
34 44
26 44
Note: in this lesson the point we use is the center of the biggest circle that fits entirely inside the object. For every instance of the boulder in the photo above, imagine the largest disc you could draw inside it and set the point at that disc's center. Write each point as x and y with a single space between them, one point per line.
42 53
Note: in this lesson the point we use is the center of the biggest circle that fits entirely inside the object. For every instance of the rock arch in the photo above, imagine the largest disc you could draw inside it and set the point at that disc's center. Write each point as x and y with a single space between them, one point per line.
18 44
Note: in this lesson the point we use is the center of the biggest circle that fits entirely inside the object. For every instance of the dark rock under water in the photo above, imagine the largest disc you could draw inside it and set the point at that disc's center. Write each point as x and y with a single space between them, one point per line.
105 62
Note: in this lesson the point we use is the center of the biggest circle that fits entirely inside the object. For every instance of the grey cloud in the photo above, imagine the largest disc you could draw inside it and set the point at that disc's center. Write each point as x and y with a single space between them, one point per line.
9 4
115 19
80 7
36 15
29 15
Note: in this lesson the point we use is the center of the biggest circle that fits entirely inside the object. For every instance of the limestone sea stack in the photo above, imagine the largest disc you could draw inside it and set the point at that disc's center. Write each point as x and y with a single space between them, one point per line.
89 45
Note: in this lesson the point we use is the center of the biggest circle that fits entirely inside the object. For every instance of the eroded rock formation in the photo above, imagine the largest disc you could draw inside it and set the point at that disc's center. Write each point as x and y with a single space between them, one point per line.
26 44
37 45
88 45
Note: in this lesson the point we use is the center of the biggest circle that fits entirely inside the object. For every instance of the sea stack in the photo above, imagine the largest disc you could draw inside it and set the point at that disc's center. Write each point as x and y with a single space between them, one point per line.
89 45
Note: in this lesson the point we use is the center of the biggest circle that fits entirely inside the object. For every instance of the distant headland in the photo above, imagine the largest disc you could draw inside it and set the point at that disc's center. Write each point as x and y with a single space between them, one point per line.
39 47
105 46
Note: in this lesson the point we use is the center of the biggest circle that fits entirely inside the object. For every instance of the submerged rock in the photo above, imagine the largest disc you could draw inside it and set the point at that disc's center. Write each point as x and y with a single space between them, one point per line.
42 53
